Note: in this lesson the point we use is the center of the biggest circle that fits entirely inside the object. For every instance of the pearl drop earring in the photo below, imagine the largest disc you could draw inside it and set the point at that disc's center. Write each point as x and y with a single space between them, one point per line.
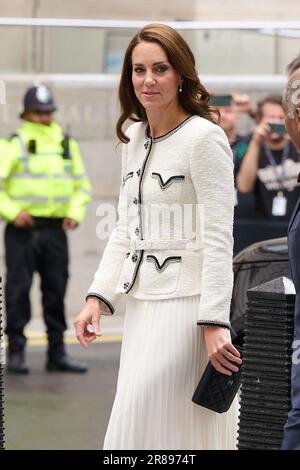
180 88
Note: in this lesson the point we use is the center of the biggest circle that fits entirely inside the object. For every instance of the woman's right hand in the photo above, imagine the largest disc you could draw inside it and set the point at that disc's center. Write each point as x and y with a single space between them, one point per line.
221 353
89 316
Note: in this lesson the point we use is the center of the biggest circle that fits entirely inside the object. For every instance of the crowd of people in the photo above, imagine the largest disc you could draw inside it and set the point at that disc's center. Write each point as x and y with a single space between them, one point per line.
266 166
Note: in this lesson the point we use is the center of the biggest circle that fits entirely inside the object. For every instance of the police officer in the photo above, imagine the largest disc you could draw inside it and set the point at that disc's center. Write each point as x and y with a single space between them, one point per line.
44 192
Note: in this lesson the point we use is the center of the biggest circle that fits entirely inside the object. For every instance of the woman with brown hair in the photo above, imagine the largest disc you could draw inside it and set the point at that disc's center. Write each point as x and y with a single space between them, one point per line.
176 271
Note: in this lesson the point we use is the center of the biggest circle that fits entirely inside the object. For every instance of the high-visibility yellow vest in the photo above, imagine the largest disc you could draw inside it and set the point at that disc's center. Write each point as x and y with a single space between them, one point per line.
36 176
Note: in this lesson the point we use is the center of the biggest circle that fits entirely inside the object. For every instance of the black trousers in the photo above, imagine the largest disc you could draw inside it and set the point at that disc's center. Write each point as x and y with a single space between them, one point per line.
44 250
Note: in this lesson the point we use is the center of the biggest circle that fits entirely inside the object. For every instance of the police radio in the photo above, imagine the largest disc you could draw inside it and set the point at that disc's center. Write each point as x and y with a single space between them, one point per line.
66 147
31 146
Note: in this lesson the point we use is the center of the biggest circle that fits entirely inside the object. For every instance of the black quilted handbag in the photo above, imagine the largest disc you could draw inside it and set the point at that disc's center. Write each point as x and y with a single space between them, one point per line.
216 391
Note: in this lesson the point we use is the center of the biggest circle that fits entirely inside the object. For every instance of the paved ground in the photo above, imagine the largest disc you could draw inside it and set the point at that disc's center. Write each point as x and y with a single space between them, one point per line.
59 411
62 411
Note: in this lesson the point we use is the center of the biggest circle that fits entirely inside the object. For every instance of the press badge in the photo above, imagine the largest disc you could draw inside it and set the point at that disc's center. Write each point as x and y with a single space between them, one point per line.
279 205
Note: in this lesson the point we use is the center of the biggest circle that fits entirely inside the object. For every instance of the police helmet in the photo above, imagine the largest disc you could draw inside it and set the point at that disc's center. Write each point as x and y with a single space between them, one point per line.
38 98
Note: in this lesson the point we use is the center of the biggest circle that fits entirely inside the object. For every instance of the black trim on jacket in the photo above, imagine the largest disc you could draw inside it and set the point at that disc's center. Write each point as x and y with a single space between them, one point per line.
126 177
103 299
213 323
169 181
140 218
166 262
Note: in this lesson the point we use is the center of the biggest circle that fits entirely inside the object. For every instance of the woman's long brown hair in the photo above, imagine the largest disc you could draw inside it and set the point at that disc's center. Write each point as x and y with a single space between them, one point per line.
194 97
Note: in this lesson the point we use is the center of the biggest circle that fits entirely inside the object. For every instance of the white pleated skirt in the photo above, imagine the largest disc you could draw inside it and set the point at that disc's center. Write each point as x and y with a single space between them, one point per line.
162 359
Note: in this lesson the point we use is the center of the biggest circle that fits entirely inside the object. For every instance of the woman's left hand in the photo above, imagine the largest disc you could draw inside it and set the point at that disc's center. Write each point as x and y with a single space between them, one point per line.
88 317
221 353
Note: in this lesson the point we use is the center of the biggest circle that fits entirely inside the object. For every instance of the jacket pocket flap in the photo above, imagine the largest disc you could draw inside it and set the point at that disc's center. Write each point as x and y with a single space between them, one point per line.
165 184
166 262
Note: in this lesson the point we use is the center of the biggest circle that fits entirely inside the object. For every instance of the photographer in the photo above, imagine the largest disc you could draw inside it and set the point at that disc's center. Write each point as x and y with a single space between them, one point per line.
271 164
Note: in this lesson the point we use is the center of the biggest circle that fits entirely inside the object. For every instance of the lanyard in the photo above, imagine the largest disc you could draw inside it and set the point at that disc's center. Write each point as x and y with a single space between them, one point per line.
272 162
233 146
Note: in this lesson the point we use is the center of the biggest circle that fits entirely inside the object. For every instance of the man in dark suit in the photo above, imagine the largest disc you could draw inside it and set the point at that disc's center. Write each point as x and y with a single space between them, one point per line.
291 103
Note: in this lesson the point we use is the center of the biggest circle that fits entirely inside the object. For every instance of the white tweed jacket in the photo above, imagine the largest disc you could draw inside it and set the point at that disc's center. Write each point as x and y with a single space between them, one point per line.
174 233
